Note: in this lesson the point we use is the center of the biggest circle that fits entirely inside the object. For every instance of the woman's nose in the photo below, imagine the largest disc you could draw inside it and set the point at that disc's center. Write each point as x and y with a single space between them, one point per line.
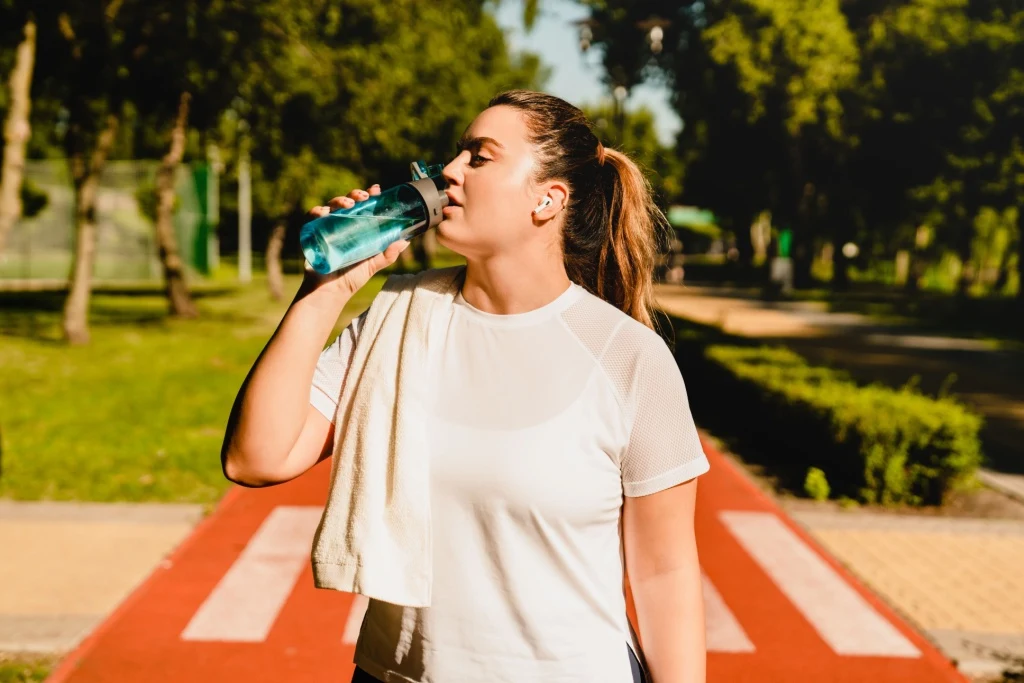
452 173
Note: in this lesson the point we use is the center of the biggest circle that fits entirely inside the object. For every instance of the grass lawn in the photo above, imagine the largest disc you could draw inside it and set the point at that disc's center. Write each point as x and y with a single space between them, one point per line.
25 668
138 414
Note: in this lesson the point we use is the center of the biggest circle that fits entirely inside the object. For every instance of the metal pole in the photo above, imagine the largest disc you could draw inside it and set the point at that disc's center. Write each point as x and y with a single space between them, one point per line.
244 215
620 112
213 208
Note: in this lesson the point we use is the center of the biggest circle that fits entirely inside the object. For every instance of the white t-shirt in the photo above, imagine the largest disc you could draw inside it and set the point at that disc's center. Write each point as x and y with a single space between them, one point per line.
540 423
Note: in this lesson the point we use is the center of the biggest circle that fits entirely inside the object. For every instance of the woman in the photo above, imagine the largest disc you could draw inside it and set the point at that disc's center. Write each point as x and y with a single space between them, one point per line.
562 451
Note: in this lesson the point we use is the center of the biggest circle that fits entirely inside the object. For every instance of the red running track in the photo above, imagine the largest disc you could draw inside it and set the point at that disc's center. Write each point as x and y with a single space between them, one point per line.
778 607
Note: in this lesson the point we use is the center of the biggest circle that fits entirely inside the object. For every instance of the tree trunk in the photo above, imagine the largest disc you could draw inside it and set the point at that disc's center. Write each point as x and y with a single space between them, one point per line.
803 238
744 243
178 298
1003 274
840 265
1020 256
16 132
914 272
275 273
87 180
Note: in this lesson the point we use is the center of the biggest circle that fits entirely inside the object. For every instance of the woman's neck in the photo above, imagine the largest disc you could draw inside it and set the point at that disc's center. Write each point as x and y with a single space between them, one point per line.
510 286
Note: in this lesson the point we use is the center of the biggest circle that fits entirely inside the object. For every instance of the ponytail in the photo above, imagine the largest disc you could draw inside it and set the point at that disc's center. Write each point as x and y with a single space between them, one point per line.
611 219
634 228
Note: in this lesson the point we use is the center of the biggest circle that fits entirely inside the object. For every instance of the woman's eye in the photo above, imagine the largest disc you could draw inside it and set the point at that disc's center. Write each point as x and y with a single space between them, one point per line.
476 159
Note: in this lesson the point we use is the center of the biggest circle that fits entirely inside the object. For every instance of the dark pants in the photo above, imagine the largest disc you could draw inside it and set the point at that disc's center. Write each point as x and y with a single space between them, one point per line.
361 676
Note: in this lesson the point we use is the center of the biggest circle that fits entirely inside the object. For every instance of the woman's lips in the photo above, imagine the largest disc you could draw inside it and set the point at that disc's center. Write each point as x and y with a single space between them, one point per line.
448 210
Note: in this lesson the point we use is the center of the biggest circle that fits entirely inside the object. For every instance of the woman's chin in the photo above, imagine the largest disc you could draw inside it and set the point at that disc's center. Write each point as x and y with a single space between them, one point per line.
440 234
443 235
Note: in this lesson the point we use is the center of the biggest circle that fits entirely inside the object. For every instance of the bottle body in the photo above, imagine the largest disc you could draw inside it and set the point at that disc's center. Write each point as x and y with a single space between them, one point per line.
347 236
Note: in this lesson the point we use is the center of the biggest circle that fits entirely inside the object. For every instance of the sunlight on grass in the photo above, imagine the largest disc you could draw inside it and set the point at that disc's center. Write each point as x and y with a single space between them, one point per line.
139 413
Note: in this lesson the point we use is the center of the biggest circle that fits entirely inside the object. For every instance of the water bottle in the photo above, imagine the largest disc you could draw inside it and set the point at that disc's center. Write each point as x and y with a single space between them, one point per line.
347 236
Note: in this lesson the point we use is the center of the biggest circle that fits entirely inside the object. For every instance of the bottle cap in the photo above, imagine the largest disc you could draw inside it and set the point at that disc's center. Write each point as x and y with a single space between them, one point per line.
421 170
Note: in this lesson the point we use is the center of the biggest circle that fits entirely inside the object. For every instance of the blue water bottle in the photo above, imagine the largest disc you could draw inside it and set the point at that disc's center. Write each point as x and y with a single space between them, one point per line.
347 236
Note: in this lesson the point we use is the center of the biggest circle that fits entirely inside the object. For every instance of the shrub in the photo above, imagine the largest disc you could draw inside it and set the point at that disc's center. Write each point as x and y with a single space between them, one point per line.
816 484
874 443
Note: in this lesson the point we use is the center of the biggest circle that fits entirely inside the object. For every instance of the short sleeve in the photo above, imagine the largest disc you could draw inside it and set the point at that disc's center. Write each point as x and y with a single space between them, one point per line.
332 369
664 447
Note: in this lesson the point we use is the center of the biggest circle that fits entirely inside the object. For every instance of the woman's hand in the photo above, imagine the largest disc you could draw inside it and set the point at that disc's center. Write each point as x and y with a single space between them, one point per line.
351 279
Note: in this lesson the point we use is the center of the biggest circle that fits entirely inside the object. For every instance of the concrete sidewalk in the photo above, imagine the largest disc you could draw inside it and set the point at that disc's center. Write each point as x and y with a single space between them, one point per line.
958 580
66 566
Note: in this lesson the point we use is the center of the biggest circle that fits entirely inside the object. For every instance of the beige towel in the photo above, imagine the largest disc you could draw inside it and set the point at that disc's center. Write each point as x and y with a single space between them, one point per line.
374 537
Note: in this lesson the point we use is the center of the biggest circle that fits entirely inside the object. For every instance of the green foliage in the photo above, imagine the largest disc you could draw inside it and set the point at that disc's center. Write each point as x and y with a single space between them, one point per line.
801 54
816 484
145 195
360 90
33 199
846 121
25 668
965 134
350 88
298 182
877 444
639 138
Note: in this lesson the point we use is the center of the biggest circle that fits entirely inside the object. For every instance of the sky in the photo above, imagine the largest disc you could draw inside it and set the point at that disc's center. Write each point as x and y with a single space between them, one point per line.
575 76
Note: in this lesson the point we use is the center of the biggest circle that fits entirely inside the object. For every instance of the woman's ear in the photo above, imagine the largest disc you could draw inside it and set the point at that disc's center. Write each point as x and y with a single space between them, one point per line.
551 203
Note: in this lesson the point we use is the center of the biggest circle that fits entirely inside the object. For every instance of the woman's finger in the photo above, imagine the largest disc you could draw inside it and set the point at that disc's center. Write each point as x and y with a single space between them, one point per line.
388 256
374 189
340 203
318 211
358 195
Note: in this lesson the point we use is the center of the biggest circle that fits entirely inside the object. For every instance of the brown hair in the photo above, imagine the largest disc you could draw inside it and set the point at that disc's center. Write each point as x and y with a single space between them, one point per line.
611 220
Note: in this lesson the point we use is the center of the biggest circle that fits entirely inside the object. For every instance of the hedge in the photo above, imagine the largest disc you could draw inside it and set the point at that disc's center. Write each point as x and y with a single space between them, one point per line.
872 443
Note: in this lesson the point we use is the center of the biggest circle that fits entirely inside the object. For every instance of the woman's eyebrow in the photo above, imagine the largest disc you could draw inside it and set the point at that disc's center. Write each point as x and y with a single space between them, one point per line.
477 142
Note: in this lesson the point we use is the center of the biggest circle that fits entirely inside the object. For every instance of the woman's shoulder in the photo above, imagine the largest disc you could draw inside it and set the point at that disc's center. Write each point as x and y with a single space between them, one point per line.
613 327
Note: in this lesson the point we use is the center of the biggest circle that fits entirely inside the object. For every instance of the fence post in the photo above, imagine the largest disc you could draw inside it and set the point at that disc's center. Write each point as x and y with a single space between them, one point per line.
244 215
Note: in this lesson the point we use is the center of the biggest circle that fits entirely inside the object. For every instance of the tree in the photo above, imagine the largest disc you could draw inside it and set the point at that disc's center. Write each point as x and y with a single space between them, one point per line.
949 93
364 92
761 85
16 126
79 67
186 61
639 138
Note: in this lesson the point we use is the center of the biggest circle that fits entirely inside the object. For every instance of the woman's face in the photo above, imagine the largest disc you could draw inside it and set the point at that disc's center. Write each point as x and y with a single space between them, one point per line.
491 195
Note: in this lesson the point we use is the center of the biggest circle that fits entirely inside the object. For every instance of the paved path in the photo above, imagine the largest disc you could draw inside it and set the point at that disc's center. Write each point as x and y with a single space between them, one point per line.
957 579
236 602
65 566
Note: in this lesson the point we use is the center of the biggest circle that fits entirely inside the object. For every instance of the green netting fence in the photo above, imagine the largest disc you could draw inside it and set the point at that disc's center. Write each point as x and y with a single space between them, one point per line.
41 247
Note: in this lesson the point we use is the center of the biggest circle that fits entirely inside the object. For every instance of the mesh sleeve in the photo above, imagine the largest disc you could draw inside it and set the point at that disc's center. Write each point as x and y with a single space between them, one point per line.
664 447
332 369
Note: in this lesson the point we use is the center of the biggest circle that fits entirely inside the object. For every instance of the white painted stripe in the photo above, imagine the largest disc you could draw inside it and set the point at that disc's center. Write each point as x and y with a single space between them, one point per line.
723 631
838 613
355 619
244 605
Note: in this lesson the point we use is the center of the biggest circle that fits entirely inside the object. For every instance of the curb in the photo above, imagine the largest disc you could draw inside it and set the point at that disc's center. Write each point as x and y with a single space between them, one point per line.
70 662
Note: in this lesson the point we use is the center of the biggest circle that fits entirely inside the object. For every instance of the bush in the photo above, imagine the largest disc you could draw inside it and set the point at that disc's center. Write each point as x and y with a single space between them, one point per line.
873 443
816 484
33 199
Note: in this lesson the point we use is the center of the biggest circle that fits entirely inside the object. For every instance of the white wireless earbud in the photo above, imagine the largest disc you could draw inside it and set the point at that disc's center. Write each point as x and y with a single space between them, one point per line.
543 205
